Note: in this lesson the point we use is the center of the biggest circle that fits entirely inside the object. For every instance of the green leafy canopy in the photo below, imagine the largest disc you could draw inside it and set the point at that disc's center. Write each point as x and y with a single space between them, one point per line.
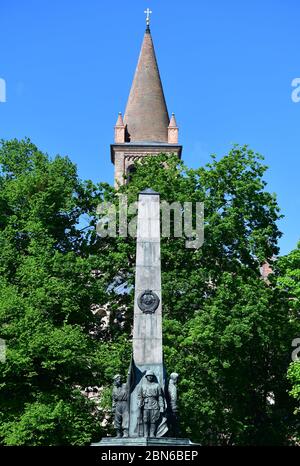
227 332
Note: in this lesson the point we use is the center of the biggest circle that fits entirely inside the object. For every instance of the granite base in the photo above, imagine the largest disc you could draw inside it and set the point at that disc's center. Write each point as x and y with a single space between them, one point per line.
142 441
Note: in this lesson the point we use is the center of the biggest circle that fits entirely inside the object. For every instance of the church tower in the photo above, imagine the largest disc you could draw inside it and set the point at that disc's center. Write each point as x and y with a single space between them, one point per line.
146 128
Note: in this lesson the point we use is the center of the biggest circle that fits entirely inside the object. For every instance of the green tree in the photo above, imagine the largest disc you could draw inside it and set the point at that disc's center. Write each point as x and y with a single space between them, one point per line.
226 331
47 289
288 280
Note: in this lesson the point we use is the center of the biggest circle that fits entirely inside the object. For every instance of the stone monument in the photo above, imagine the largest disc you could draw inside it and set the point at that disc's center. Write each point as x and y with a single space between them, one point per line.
146 406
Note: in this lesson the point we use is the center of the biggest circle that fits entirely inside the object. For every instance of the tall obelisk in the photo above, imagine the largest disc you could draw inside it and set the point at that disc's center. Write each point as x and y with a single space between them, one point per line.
147 326
145 388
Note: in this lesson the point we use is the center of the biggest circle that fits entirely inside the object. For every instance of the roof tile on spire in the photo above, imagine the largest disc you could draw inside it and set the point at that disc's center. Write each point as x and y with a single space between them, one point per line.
146 114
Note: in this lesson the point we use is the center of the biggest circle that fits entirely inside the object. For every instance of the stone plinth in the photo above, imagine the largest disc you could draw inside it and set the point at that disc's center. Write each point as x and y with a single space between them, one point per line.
142 442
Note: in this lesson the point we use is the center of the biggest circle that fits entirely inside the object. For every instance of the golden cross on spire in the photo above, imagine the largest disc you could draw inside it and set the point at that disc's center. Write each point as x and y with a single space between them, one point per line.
148 13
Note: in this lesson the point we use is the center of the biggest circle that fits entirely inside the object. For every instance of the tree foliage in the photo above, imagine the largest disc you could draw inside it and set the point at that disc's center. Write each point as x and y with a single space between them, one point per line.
288 280
226 331
47 289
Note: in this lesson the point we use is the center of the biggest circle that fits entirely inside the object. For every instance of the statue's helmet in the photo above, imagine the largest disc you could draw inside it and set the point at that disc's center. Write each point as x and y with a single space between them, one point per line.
149 373
117 376
174 376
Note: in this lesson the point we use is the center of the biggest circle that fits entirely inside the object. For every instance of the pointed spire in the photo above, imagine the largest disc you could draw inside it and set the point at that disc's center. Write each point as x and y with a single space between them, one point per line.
119 121
173 123
146 116
120 129
173 130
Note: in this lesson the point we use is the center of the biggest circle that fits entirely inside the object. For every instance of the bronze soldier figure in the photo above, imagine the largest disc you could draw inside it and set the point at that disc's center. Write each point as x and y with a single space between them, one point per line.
172 392
120 406
151 401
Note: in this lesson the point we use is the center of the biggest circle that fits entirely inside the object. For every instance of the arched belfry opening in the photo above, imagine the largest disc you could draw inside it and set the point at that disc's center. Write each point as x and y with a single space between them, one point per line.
131 169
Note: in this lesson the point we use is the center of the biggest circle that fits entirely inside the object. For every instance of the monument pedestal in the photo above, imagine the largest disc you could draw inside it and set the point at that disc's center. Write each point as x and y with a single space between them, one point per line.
142 442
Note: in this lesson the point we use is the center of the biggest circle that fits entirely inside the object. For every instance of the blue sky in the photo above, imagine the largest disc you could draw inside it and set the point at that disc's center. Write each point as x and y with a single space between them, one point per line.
226 67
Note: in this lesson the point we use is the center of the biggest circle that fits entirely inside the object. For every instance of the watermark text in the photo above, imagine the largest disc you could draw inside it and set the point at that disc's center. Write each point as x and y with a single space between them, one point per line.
183 220
2 90
2 350
296 353
295 96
